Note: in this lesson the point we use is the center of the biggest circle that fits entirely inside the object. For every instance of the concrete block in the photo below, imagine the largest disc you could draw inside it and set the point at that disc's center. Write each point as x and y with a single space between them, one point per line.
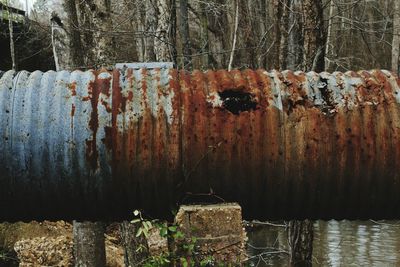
218 229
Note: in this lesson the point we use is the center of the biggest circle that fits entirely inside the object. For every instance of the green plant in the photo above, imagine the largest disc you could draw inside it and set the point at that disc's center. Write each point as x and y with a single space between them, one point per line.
159 260
145 225
184 254
208 261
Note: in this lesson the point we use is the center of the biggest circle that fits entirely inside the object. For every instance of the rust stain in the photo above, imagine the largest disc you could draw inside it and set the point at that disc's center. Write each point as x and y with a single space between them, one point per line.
72 110
292 144
112 135
145 124
72 87
276 151
99 85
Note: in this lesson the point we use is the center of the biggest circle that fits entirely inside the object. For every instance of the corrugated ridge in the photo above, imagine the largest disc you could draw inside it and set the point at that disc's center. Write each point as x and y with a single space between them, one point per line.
99 144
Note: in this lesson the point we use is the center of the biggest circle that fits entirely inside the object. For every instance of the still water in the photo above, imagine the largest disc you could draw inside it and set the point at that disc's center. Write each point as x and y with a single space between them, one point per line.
336 243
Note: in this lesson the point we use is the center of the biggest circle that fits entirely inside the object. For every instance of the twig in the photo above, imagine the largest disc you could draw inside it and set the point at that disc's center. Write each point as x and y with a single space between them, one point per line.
187 175
211 194
259 248
388 224
268 253
234 36
255 222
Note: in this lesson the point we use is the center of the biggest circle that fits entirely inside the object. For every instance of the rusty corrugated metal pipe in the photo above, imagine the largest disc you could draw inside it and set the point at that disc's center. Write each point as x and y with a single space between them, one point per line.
99 144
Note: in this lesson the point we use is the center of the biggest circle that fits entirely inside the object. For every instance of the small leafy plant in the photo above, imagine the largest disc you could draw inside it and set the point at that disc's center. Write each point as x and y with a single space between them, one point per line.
145 225
186 247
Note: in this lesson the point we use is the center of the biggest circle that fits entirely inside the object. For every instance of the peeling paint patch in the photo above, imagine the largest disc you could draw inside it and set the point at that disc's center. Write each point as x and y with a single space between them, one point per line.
102 141
215 100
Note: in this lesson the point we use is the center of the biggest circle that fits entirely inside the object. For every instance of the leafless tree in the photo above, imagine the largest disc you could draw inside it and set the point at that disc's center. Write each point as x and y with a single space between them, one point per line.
184 33
11 36
396 37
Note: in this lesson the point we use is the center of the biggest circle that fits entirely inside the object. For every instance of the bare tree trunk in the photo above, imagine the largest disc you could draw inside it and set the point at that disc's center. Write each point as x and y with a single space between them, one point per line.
141 27
104 45
184 33
396 37
89 246
277 33
300 234
151 27
234 35
295 39
86 27
133 12
262 61
314 36
11 34
289 34
247 33
68 49
205 46
60 42
329 35
162 41
284 33
75 43
165 38
172 33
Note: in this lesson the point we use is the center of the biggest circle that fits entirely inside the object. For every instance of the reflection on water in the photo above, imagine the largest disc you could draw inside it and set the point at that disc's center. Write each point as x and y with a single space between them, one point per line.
336 243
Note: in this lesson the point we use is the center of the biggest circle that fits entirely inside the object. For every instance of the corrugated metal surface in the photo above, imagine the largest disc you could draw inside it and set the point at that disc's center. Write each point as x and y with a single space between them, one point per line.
145 65
100 144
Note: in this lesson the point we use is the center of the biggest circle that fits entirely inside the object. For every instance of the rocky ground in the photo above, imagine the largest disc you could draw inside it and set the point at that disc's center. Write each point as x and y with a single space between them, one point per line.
217 231
49 244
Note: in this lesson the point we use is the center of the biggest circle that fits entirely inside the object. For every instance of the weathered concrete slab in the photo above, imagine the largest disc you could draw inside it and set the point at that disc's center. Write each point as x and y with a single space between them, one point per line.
218 229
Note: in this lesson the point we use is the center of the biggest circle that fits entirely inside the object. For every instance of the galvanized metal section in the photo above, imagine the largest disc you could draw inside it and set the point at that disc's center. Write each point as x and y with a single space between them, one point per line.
145 65
99 144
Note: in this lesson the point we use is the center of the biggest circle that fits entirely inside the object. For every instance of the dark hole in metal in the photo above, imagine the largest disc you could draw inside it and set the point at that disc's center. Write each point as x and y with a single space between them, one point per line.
323 87
236 101
326 96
